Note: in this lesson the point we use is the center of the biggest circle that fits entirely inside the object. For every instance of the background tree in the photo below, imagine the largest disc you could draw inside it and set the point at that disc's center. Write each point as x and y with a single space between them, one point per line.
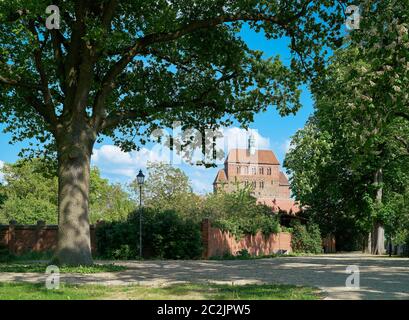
30 194
349 161
123 68
323 181
108 202
381 88
168 188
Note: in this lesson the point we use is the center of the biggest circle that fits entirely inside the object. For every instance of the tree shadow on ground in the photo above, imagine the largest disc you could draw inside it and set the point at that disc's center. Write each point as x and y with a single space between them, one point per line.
380 278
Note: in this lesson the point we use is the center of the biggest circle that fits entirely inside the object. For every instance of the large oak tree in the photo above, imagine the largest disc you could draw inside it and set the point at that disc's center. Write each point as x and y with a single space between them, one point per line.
123 68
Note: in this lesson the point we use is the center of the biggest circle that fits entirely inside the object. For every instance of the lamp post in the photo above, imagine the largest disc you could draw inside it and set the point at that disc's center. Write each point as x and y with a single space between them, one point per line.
140 178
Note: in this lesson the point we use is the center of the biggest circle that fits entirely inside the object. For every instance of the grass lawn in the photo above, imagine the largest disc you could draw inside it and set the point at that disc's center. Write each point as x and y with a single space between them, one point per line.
41 267
25 291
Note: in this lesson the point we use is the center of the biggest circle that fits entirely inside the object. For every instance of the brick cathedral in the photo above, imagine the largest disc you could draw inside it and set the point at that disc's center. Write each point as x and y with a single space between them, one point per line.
259 169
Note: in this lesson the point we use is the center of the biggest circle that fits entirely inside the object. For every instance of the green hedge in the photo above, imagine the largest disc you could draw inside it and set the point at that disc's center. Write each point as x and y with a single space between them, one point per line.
165 235
265 223
306 238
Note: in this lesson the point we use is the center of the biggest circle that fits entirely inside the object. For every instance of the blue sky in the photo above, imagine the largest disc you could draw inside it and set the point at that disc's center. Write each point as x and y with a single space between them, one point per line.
273 132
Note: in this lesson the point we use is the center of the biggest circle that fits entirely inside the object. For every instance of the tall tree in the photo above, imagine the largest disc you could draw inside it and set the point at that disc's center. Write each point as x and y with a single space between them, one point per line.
381 86
360 128
326 183
123 68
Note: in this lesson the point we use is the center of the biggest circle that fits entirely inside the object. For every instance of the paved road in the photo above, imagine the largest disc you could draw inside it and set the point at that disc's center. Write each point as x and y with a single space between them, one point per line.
380 278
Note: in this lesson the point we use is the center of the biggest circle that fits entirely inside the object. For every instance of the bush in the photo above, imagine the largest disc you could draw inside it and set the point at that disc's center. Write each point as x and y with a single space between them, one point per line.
239 213
243 254
124 252
164 234
5 255
306 238
265 223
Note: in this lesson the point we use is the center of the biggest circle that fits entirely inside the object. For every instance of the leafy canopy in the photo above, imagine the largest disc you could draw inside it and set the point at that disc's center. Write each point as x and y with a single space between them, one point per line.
124 68
30 194
360 127
168 188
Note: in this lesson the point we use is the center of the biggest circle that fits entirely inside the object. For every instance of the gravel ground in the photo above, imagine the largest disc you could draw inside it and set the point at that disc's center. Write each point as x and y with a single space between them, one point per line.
380 277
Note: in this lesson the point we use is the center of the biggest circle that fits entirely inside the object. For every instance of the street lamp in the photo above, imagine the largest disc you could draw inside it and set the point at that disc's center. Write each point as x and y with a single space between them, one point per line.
140 178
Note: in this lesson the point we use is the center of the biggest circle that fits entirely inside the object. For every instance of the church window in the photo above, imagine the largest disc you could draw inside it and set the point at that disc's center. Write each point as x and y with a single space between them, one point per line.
269 171
261 170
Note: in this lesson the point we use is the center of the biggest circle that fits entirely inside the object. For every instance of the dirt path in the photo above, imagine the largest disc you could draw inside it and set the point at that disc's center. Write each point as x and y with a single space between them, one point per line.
380 277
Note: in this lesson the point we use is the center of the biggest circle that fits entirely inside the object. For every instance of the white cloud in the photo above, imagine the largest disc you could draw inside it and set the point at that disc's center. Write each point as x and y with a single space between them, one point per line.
113 154
238 138
124 166
287 146
112 160
200 186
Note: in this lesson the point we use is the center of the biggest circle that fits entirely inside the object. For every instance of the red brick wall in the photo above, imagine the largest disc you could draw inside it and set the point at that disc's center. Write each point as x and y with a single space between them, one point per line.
40 237
217 242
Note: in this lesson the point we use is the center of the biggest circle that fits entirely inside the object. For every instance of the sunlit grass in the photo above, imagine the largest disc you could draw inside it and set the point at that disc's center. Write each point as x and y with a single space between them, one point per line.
26 291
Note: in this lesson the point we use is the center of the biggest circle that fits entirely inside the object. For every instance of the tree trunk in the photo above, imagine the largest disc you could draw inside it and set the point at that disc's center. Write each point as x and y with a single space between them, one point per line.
367 245
378 231
74 155
378 239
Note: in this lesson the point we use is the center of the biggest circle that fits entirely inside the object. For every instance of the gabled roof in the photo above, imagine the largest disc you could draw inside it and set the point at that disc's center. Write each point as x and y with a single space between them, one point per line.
283 181
259 157
220 177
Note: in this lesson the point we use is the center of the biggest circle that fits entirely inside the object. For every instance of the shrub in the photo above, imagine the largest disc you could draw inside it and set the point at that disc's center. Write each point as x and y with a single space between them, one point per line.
265 223
164 234
306 238
124 252
112 237
5 255
243 254
240 214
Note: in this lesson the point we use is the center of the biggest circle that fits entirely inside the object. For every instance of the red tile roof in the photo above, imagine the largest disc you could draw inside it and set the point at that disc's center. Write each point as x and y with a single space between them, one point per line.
220 177
288 205
283 179
259 157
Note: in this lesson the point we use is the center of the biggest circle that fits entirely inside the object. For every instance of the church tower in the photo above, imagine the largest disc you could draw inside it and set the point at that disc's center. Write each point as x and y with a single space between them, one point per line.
260 171
252 145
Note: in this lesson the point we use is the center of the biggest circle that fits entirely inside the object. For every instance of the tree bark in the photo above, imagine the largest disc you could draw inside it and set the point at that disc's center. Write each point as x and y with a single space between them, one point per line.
378 231
378 239
74 157
367 244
